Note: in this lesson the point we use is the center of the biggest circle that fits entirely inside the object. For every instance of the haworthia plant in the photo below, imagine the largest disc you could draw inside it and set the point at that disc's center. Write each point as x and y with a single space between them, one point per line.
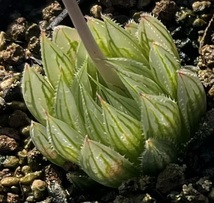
120 111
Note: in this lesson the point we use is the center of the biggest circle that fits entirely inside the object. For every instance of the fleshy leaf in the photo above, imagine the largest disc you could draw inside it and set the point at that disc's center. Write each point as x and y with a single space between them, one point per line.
54 59
93 118
64 139
121 43
160 117
81 55
81 77
66 108
137 84
151 30
126 64
123 131
40 140
132 27
39 99
191 98
158 153
164 66
98 30
67 39
122 103
105 165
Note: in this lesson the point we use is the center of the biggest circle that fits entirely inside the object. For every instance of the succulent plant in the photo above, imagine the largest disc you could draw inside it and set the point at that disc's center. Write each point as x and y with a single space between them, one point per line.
120 110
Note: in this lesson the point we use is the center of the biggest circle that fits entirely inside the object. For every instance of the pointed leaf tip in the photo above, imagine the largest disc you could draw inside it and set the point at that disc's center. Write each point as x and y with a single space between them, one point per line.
105 165
42 143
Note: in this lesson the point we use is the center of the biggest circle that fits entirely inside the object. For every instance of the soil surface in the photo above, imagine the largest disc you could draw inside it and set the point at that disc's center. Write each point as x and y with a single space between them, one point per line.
26 176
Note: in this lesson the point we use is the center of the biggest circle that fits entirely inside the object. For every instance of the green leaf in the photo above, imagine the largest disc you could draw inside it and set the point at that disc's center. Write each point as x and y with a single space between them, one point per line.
126 64
105 165
66 108
38 94
132 27
40 140
151 30
67 39
160 117
137 84
55 60
81 55
157 155
81 77
93 118
164 66
191 98
122 103
98 30
121 43
123 132
64 139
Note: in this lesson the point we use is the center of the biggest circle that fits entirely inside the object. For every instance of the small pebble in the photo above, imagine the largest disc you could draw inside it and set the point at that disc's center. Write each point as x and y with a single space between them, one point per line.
16 29
38 187
26 169
14 54
30 177
11 162
207 55
200 6
13 198
7 144
2 40
9 181
7 83
96 11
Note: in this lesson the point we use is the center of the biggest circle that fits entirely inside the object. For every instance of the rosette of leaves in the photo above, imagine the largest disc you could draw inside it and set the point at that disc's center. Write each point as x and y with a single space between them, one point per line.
117 116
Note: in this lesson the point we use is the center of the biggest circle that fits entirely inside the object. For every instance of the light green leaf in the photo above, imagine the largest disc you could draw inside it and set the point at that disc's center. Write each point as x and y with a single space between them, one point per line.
105 165
40 140
123 132
38 94
98 30
81 77
64 139
160 117
137 84
66 108
132 27
151 30
191 98
67 39
122 103
81 55
121 43
55 60
164 66
93 118
126 64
